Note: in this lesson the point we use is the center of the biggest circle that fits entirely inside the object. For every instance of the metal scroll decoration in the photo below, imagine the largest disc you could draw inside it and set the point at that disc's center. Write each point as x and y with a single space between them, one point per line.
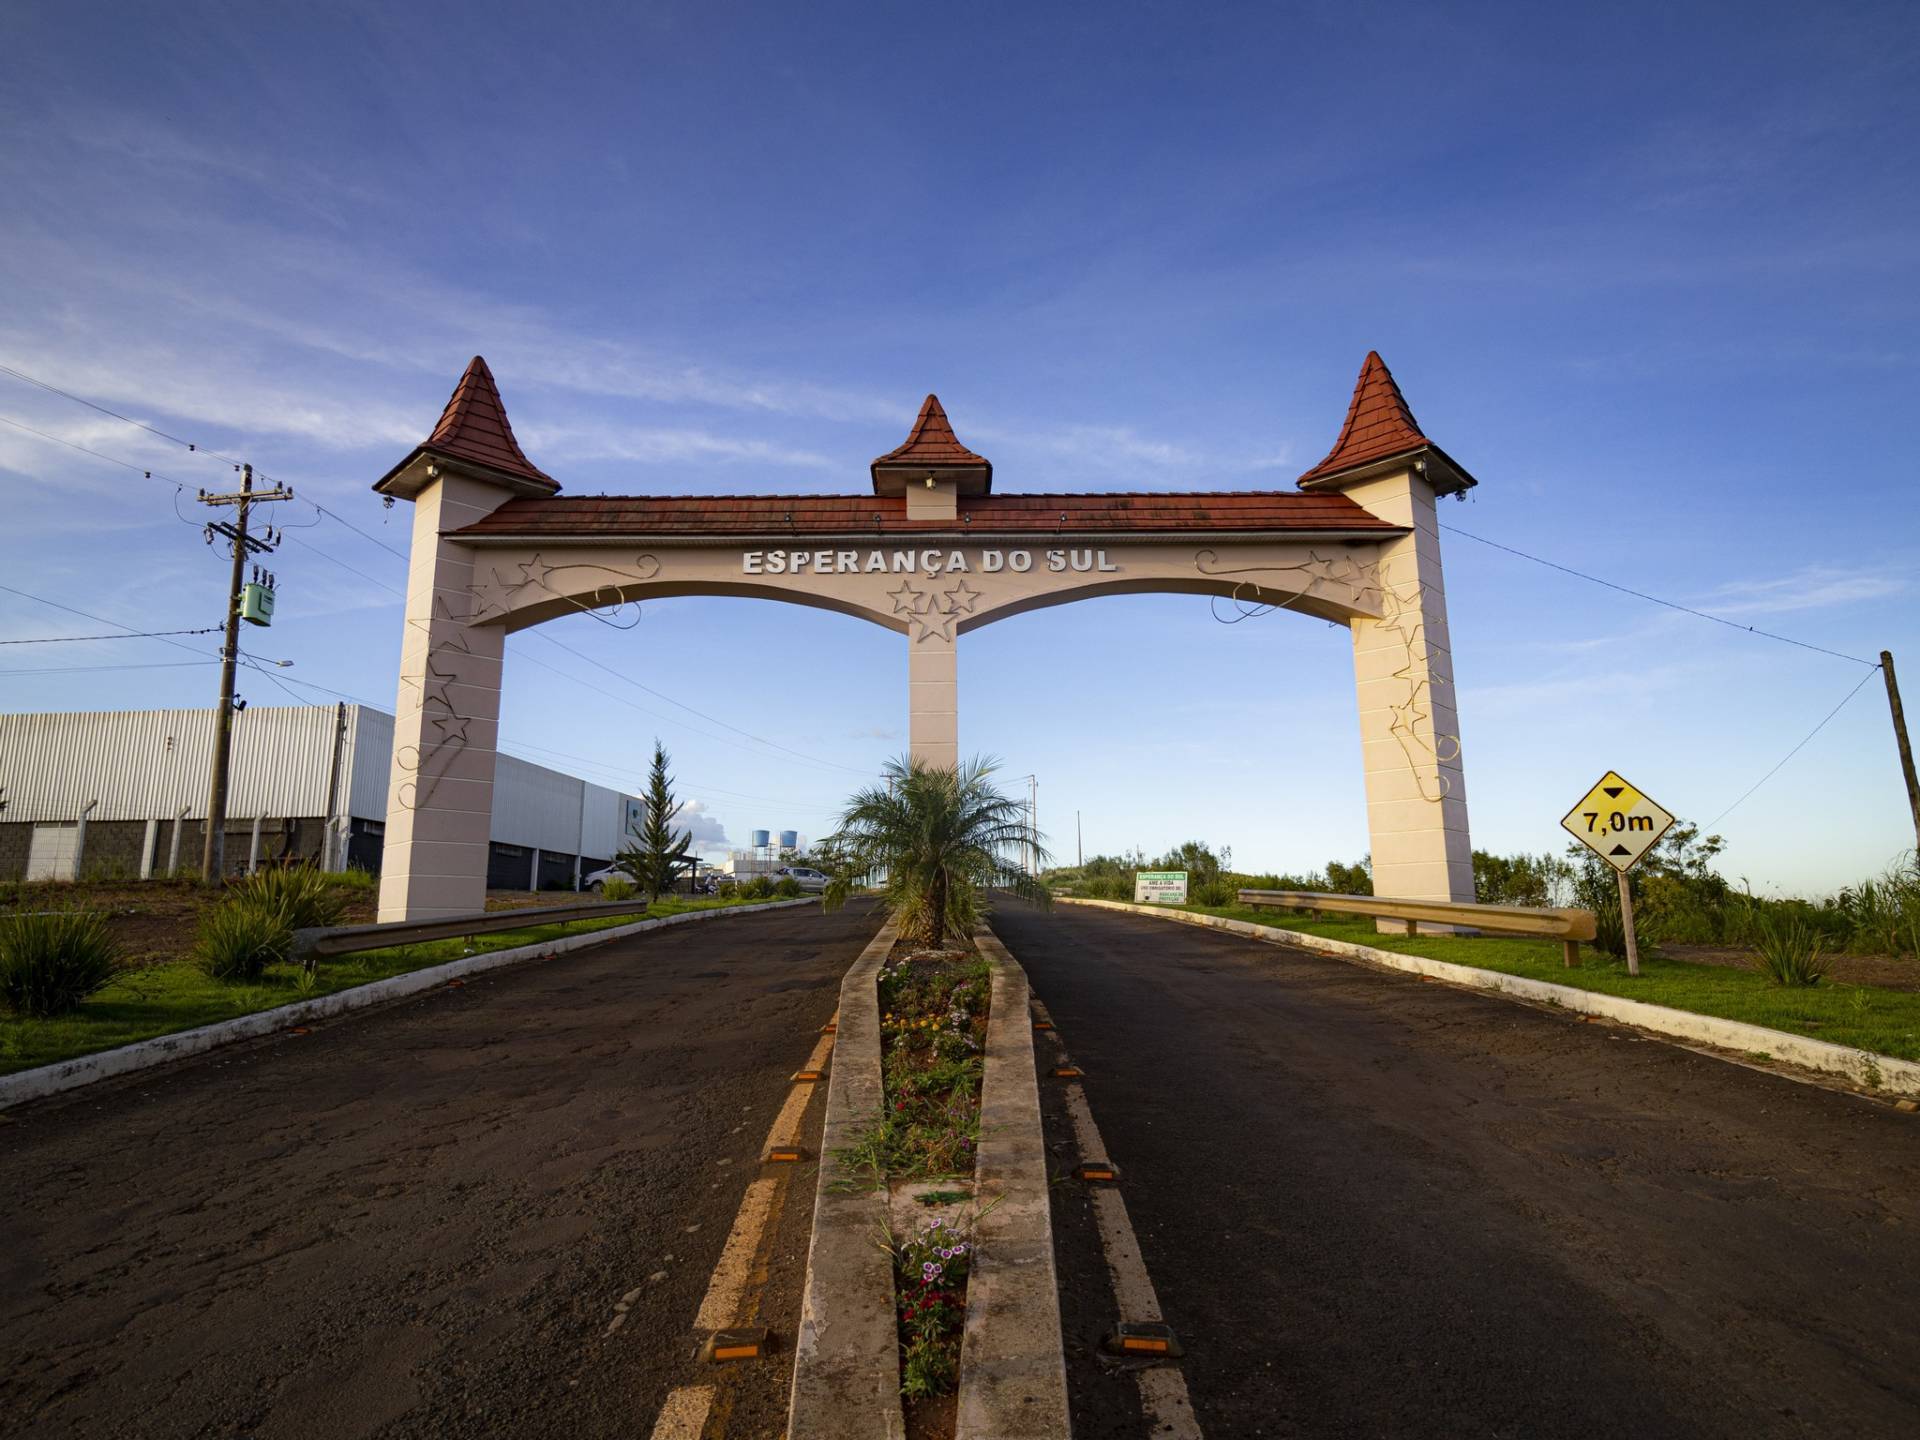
443 730
933 612
1399 615
499 595
1360 579
1412 717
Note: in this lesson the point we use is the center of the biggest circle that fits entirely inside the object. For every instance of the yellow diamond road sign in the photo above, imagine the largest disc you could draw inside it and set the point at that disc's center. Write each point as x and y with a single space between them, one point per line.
1617 822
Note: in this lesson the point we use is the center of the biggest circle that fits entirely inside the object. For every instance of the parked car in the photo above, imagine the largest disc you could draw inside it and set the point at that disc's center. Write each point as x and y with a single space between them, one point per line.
706 884
596 880
811 881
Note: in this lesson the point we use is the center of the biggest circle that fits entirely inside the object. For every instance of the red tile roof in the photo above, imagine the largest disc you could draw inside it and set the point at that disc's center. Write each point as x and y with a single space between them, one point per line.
474 427
1194 513
932 443
1379 424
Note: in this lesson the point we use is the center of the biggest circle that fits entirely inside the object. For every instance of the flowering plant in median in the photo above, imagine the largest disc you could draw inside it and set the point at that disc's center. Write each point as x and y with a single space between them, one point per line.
929 1283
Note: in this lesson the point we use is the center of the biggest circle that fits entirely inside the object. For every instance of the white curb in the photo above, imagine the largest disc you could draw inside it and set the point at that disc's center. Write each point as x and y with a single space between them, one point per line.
846 1356
47 1080
1881 1073
1013 1369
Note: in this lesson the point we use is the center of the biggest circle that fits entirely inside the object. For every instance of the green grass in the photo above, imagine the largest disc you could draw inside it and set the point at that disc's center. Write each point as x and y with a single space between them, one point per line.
164 999
1865 1017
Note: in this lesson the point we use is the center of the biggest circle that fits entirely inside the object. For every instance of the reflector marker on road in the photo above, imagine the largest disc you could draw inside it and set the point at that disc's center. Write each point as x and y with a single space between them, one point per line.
744 1342
1144 1338
1043 1025
808 1077
1068 1072
1098 1171
783 1155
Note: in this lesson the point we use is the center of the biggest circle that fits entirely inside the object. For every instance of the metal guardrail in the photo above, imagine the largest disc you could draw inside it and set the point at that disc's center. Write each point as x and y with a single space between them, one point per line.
321 942
1569 927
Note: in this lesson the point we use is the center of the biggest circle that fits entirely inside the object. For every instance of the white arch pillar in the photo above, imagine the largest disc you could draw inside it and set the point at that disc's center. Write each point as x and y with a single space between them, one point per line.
1409 723
446 716
933 700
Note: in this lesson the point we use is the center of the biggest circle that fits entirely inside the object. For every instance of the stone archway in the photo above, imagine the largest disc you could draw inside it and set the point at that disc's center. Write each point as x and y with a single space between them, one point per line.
931 553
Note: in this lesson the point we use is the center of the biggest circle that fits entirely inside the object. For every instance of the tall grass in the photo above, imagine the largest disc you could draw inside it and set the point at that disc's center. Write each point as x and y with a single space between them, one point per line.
1789 948
304 895
49 963
242 935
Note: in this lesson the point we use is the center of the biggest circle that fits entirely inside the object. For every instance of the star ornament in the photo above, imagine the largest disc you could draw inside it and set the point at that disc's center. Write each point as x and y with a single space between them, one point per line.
960 599
907 600
927 626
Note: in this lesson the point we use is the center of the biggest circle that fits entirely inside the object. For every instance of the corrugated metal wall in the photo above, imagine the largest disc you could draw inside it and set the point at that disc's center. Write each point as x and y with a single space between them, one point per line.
148 764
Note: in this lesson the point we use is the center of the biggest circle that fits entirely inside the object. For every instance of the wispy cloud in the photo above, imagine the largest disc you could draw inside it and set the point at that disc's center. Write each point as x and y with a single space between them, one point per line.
1815 587
658 445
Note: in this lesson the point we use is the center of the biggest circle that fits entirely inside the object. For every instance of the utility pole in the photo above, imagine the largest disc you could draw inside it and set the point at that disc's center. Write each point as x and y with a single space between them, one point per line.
213 850
1900 738
1079 850
1033 826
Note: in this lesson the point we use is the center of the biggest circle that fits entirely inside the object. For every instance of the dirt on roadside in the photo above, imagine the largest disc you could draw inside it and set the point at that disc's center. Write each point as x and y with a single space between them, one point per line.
155 921
1889 972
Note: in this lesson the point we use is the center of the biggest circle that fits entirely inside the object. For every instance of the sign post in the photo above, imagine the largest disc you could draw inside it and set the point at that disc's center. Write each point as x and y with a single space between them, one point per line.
1620 825
1160 887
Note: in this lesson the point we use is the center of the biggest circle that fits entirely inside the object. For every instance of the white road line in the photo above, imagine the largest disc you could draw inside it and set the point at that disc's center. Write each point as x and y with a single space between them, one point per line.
1163 1389
684 1415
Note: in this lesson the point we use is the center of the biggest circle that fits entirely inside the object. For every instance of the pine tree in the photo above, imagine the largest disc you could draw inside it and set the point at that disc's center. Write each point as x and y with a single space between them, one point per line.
655 853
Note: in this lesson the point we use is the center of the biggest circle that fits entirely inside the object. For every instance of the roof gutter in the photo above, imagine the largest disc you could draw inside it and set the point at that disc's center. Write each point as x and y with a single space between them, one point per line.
903 537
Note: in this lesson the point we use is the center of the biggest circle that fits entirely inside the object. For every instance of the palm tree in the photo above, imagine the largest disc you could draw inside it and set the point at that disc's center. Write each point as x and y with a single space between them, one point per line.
942 835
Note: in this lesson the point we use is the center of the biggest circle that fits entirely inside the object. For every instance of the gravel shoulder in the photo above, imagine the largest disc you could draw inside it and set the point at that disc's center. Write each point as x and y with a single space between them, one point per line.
1373 1205
421 1220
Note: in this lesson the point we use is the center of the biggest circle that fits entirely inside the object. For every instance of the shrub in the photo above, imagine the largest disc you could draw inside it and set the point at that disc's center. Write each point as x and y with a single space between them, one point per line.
758 888
241 936
1789 948
788 887
1609 933
305 896
616 887
50 963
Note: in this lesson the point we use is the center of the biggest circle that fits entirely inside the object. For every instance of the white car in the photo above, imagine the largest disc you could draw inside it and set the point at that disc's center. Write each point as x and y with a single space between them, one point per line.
811 881
596 880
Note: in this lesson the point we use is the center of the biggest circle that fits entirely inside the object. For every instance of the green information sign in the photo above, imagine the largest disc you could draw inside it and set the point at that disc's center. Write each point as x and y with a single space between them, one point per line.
1160 887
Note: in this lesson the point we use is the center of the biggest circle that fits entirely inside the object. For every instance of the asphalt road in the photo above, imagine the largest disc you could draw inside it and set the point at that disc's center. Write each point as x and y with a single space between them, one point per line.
1374 1206
420 1220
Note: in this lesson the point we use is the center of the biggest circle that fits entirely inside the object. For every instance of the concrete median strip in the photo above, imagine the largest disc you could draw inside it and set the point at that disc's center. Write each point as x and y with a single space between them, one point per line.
846 1373
1883 1074
163 1049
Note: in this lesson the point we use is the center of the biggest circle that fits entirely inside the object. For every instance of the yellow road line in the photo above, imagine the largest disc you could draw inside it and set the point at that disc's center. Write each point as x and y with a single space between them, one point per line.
684 1415
733 1273
730 1276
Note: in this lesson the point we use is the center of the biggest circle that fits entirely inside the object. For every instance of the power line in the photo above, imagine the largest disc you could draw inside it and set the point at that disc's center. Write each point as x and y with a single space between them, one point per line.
84 669
385 585
1793 752
713 719
134 635
97 619
1655 599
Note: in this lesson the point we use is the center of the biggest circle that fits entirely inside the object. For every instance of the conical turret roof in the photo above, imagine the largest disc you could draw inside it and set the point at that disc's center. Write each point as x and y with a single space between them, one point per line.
932 445
474 427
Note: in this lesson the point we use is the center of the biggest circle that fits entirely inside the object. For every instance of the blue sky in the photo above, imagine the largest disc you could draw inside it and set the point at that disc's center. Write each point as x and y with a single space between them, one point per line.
1648 271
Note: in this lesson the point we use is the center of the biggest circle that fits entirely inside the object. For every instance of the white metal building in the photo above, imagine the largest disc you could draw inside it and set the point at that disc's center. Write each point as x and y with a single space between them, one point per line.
125 792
